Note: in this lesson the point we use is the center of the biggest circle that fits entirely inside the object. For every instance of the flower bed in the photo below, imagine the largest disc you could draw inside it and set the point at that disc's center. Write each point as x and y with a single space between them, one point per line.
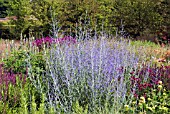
90 76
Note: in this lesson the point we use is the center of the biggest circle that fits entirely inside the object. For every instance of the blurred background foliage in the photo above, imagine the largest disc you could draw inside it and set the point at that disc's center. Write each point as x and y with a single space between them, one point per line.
34 17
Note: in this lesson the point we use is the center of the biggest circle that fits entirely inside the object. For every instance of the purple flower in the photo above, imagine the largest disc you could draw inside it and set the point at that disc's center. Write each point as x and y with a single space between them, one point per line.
8 77
40 42
148 77
48 41
91 68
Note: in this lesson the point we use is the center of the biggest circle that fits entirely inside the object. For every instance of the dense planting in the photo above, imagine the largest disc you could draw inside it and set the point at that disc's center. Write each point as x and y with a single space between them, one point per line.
138 17
66 75
10 84
76 57
90 73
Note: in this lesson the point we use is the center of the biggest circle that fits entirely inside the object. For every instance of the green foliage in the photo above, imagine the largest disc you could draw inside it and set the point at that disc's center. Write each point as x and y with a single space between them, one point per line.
157 102
77 109
18 64
10 99
23 105
144 43
137 16
3 8
94 15
42 15
22 10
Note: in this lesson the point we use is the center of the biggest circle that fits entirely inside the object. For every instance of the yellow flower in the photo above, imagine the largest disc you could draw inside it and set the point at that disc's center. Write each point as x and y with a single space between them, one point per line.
154 90
126 107
142 99
164 94
134 102
159 87
149 99
164 89
160 82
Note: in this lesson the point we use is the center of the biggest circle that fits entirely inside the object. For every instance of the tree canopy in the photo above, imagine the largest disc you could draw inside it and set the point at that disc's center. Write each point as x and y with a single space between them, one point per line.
136 16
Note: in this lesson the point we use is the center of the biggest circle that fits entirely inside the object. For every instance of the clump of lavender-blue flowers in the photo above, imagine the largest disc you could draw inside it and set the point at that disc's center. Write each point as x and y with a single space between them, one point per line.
89 72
